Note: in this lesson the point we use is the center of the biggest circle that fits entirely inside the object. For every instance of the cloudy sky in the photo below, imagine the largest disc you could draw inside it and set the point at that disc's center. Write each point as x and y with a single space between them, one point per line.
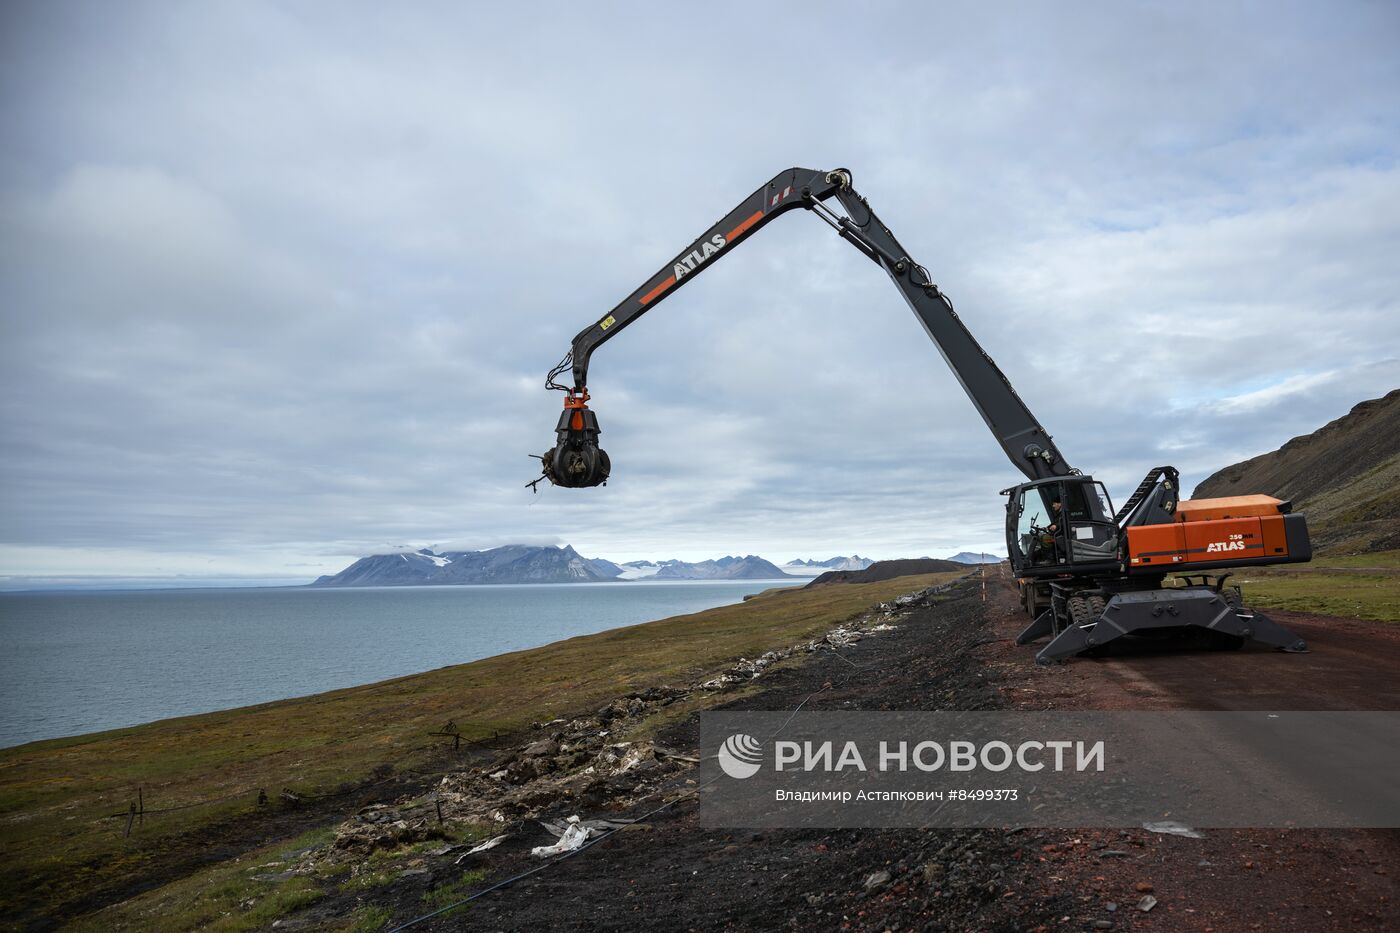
279 282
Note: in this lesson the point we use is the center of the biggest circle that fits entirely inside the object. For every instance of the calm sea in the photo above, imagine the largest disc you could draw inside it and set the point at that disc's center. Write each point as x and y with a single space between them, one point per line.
79 662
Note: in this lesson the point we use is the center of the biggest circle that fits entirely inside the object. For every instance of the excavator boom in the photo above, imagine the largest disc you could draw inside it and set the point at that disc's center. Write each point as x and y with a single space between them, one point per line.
1021 436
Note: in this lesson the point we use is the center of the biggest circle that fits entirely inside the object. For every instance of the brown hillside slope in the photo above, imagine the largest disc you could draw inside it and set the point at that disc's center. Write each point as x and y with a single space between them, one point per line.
888 570
1345 476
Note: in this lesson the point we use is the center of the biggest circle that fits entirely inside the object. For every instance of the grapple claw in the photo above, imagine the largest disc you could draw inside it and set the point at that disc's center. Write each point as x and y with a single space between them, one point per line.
576 460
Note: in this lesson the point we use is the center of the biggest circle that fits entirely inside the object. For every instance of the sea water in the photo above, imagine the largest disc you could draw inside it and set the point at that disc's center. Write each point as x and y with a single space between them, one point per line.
76 662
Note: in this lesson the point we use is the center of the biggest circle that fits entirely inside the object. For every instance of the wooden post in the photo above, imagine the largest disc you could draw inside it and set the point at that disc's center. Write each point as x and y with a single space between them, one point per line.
438 801
130 818
456 738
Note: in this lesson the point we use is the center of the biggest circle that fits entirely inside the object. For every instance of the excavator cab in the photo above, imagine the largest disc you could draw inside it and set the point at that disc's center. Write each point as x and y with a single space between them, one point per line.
1059 526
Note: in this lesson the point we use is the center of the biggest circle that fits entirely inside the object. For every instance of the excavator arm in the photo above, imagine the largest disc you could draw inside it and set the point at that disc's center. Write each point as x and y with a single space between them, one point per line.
577 460
796 187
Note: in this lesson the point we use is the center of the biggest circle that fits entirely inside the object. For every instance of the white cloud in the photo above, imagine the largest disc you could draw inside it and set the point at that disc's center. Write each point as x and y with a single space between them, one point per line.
1280 392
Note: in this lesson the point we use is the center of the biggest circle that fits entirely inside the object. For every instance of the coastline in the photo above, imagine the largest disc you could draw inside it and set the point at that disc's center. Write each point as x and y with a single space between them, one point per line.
61 799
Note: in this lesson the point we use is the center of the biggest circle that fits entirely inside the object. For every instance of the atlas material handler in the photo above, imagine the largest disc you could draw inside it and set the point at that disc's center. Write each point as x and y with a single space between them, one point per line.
1088 574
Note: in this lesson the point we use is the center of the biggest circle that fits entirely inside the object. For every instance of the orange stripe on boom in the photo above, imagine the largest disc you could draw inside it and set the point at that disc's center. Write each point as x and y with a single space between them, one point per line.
738 231
733 235
665 284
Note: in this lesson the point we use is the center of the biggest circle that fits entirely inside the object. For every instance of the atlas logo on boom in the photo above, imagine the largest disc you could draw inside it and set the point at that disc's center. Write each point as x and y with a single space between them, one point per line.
692 260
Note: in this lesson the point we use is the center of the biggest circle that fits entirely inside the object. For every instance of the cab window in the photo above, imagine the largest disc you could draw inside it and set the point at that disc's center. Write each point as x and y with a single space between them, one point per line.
1076 503
1035 508
1034 516
1087 502
1105 503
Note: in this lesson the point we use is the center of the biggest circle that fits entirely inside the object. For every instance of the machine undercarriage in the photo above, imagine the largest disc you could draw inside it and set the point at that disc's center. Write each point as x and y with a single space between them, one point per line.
1085 617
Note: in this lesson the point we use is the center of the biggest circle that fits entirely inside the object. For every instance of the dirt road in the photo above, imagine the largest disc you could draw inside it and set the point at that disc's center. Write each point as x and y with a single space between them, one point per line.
1352 664
1231 880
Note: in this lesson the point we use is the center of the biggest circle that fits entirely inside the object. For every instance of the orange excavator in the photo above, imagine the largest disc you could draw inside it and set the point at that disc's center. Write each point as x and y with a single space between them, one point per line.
1089 575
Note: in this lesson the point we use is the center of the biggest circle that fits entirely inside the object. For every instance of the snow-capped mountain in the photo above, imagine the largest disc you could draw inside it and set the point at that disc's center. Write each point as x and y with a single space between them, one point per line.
514 563
750 567
972 557
807 568
521 563
639 569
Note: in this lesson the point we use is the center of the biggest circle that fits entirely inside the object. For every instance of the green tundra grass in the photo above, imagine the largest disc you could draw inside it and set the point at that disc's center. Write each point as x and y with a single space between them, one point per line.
1362 586
60 843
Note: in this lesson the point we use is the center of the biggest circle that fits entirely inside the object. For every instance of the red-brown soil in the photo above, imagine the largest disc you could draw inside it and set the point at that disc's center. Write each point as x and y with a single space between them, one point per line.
1270 880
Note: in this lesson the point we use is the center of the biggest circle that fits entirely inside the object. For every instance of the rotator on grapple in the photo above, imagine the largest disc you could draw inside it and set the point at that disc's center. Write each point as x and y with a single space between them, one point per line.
1088 575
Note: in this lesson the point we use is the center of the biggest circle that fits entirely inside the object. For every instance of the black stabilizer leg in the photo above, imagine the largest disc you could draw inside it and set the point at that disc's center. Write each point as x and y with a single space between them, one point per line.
1262 628
1042 626
1066 644
1246 623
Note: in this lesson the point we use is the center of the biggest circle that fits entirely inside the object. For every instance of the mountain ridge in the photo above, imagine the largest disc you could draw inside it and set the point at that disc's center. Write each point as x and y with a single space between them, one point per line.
854 562
512 563
976 557
887 570
521 563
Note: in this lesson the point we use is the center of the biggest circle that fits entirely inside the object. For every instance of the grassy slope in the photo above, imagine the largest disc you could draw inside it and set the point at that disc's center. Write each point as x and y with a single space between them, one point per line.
52 793
247 894
1361 514
1364 586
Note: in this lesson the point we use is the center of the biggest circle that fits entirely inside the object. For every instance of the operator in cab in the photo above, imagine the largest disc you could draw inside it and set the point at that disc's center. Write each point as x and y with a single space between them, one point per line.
1057 528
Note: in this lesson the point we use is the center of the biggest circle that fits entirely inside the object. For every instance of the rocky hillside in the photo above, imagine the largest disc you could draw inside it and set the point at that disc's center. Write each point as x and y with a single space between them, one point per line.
514 563
1345 476
888 570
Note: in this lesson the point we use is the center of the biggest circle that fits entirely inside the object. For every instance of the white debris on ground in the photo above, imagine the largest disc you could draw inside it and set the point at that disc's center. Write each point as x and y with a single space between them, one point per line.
573 837
1173 828
582 761
489 844
843 636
